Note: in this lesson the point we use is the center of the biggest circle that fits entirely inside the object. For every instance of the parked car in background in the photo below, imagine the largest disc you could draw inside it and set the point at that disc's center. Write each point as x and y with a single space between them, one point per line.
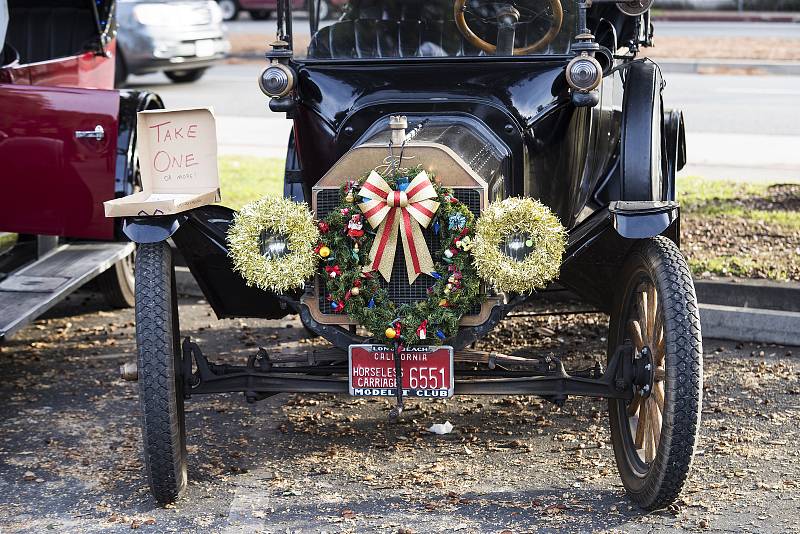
263 9
67 143
182 38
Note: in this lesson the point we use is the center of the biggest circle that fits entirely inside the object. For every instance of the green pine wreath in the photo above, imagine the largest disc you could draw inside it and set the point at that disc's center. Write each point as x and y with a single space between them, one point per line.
359 294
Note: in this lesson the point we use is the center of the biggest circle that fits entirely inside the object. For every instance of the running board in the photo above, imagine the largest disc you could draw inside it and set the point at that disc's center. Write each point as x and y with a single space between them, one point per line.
37 287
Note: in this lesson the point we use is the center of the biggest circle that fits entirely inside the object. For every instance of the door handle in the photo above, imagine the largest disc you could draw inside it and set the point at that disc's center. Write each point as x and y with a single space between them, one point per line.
98 133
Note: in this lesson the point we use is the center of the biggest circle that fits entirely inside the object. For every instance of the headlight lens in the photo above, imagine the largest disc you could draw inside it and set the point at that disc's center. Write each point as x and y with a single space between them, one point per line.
273 246
276 80
584 73
517 245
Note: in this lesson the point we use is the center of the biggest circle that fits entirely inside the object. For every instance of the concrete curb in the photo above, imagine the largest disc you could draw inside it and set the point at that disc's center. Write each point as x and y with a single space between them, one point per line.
735 322
750 325
726 16
759 294
719 66
185 282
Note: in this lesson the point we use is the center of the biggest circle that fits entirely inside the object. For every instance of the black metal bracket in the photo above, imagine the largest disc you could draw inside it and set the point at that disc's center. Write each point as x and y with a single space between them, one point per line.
262 377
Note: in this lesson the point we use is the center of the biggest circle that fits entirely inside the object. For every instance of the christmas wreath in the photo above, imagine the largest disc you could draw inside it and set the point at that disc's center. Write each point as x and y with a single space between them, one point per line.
357 245
519 243
271 243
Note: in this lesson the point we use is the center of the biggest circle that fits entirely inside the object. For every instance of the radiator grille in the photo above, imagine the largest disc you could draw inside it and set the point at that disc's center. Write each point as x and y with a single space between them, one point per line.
399 289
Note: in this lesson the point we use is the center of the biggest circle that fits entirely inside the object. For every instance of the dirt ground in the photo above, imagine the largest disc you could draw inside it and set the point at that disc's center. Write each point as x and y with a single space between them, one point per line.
70 443
754 235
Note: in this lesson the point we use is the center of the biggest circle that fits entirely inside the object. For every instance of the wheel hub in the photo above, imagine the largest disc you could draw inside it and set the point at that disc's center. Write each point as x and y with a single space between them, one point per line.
643 372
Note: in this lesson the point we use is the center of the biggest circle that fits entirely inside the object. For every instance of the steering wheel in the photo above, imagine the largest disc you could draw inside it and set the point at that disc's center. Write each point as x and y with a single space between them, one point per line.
459 8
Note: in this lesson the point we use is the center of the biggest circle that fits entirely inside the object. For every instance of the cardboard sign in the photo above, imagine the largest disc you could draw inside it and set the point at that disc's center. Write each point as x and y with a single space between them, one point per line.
178 163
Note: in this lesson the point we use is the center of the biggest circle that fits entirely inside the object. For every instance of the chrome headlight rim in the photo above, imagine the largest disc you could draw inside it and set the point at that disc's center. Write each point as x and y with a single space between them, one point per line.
575 83
281 72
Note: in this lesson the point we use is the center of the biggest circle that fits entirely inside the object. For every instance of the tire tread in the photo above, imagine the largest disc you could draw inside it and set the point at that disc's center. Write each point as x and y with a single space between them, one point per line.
670 470
162 403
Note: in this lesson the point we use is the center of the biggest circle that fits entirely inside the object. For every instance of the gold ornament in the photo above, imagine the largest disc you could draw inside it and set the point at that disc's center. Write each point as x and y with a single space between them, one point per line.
391 333
355 291
324 252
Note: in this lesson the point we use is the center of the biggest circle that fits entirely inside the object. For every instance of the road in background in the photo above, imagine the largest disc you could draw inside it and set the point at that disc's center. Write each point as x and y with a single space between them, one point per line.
739 127
668 28
779 30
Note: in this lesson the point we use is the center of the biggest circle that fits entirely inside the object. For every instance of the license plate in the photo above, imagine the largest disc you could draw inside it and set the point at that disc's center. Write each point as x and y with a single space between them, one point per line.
427 371
204 48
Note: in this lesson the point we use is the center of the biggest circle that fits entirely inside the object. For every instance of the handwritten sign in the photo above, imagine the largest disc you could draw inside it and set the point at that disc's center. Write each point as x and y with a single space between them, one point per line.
180 151
178 163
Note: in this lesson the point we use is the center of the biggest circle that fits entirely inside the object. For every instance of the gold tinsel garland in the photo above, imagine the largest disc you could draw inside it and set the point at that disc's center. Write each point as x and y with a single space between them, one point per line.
513 215
283 217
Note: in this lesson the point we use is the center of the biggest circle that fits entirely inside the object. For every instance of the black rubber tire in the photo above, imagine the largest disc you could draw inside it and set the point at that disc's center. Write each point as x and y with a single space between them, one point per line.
260 14
120 69
658 484
230 9
160 377
117 283
185 76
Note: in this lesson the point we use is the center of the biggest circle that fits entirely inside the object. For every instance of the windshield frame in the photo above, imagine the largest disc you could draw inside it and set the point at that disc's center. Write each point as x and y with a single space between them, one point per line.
284 33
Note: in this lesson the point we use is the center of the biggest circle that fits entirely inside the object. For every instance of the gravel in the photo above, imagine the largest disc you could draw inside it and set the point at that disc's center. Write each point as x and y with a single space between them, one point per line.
70 443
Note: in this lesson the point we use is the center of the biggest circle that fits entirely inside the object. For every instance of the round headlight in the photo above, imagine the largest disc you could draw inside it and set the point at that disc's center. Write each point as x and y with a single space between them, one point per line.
634 8
517 245
276 80
273 246
584 73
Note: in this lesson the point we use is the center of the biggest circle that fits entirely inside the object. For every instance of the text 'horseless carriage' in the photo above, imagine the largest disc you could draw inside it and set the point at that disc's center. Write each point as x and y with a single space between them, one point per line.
456 156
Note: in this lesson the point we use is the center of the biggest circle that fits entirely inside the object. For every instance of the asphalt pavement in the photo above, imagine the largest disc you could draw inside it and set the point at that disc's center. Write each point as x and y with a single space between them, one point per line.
739 126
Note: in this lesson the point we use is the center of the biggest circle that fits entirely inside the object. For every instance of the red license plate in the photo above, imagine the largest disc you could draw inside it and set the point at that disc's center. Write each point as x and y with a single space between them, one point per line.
427 371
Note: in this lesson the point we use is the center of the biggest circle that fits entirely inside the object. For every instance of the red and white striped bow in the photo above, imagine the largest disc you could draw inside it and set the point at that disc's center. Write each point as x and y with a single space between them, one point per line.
403 212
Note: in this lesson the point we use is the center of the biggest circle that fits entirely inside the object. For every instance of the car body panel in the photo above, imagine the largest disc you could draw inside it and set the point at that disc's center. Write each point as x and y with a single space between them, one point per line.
559 153
52 182
88 70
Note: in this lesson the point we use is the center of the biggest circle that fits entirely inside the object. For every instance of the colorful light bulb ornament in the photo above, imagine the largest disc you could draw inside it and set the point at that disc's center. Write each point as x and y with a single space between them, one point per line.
400 206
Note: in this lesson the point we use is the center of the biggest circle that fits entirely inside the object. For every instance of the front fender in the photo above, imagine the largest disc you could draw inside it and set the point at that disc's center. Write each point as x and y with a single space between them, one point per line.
643 219
152 229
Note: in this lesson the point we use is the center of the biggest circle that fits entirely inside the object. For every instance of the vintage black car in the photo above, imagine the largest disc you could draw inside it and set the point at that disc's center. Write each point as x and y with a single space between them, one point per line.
531 99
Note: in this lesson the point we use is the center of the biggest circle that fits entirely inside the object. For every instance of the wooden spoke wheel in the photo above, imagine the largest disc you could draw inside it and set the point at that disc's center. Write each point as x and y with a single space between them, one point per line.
654 435
646 331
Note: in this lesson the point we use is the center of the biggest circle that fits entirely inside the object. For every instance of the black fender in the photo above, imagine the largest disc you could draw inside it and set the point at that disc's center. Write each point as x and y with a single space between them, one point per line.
642 163
152 229
675 146
294 186
643 219
597 248
130 102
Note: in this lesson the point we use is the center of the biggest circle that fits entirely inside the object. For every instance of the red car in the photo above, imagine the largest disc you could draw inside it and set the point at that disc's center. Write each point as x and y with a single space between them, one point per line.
67 143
